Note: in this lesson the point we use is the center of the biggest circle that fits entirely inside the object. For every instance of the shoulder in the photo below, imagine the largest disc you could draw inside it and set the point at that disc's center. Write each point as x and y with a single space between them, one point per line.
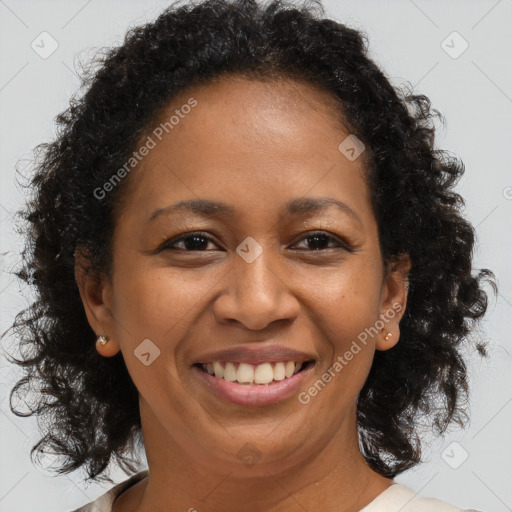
105 501
399 497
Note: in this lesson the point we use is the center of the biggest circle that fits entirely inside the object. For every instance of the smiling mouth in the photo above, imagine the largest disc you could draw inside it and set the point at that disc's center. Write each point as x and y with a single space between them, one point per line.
254 374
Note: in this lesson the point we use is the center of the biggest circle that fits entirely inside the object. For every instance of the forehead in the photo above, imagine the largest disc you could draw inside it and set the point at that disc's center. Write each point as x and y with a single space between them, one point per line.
265 107
249 141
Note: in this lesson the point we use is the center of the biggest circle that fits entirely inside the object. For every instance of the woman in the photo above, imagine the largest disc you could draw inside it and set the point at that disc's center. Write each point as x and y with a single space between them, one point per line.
250 259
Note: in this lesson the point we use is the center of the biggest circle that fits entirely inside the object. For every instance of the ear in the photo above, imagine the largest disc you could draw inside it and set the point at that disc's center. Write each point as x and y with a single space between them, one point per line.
96 294
394 300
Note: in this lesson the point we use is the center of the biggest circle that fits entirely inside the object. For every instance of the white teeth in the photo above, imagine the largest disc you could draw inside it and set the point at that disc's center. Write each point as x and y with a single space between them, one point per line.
219 371
264 374
279 371
289 368
230 372
245 373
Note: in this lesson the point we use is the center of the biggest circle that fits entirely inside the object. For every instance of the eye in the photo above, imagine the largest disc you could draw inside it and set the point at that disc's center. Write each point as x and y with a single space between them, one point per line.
199 242
318 240
190 242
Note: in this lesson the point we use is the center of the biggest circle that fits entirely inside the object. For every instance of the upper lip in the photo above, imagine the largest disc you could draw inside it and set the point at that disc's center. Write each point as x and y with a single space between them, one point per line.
255 355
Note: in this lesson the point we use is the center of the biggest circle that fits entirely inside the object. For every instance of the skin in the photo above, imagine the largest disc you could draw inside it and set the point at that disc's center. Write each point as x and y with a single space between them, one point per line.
253 145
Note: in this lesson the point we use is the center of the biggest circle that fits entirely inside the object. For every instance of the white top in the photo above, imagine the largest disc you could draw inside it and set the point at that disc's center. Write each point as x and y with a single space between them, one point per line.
400 498
396 498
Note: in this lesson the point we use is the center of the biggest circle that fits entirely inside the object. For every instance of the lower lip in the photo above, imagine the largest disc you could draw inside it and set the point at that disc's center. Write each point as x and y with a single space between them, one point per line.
253 395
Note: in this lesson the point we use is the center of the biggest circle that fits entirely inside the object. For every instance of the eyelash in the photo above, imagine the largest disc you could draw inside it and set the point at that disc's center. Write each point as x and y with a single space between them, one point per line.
167 245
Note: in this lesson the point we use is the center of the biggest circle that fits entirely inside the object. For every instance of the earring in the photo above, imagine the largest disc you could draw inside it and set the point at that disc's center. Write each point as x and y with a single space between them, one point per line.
106 347
102 340
388 335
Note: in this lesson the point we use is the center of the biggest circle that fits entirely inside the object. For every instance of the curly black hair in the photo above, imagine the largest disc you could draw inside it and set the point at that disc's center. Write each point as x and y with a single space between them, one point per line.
89 402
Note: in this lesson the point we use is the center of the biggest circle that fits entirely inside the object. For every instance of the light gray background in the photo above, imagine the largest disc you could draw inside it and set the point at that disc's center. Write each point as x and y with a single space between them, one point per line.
473 91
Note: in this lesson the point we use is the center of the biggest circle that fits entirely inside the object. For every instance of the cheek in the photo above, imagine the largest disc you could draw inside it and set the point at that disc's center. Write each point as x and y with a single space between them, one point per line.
345 300
159 303
353 313
346 304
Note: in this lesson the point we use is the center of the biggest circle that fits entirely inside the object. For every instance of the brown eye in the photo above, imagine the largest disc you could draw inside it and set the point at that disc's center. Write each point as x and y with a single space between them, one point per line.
319 241
189 242
199 242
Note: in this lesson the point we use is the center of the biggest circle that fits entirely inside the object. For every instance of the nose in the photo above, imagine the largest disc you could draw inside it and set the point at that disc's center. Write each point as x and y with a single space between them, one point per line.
256 294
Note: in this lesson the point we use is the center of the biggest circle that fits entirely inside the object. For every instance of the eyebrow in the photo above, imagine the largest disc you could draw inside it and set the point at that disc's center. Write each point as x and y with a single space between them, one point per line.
297 207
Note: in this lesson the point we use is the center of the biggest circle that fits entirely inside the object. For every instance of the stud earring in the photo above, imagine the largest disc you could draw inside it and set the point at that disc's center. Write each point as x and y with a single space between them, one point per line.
106 347
102 340
388 335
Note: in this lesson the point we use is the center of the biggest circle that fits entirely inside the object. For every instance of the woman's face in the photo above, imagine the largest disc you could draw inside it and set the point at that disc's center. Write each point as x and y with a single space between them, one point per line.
255 286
